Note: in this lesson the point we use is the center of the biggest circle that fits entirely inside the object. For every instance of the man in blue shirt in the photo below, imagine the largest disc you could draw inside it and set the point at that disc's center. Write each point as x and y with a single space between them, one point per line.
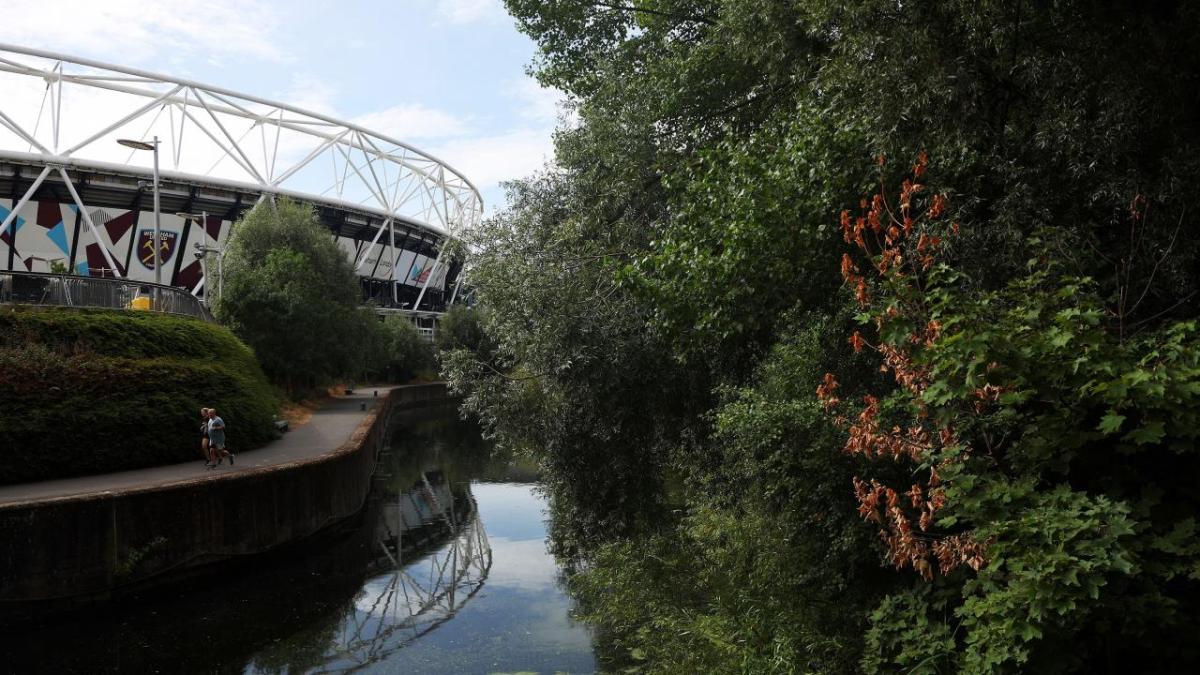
216 437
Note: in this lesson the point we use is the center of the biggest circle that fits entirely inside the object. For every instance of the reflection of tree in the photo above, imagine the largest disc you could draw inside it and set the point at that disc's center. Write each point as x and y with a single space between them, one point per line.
425 438
463 455
305 649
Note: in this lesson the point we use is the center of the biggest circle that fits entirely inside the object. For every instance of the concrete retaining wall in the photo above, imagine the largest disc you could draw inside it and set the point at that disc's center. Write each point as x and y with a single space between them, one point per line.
70 550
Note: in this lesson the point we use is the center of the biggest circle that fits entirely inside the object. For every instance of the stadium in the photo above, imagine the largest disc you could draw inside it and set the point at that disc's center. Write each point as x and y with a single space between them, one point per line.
77 167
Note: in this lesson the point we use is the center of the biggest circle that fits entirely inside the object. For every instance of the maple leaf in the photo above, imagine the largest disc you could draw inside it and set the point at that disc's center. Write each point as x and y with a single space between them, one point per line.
1110 423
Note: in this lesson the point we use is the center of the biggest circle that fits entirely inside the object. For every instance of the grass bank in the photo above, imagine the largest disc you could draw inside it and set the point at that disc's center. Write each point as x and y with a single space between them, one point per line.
85 392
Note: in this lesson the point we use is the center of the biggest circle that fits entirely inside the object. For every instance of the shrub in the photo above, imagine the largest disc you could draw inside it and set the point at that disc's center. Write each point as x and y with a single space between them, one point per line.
461 327
770 546
1047 510
403 352
87 392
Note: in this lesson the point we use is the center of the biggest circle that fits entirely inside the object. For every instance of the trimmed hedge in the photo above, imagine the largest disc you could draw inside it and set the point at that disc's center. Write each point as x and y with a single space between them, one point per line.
85 392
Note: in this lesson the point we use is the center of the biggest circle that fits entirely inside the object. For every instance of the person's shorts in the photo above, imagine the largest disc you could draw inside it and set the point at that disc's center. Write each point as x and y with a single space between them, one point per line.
218 445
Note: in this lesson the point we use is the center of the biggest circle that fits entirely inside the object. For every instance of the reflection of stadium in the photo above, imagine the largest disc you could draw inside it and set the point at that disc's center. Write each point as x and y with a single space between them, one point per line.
434 557
352 596
72 200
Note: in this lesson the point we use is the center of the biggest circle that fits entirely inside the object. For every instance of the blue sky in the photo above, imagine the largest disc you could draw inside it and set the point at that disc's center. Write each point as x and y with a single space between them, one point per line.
447 76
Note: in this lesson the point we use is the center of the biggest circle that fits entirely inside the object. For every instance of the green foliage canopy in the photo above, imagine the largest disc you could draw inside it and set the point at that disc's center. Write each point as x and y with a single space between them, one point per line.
292 295
660 303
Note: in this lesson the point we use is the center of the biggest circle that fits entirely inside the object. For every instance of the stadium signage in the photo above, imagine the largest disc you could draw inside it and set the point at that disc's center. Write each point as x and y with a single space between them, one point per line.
145 249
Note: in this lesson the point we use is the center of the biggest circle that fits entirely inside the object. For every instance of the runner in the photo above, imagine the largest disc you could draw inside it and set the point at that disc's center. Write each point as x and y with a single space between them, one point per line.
216 438
204 437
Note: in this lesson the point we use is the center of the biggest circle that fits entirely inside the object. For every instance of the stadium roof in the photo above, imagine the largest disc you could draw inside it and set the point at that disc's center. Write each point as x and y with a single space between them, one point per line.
68 112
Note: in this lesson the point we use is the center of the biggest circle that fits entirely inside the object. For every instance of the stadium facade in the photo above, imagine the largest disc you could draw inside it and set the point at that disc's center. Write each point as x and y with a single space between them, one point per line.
72 198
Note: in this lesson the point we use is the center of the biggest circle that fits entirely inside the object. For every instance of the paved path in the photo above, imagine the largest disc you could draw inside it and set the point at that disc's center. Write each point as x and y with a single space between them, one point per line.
331 426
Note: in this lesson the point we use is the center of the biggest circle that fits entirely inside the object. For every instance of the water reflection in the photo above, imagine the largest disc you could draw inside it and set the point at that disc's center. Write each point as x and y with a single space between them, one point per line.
429 579
414 583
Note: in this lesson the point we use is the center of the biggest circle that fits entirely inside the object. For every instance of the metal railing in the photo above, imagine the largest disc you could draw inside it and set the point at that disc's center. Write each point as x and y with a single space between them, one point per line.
33 288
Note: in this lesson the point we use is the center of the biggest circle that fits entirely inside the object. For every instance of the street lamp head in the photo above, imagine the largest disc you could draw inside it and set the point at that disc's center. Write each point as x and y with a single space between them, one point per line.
190 216
153 146
136 145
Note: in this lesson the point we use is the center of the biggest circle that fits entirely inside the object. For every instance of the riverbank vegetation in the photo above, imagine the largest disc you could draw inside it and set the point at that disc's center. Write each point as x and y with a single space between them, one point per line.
860 336
96 391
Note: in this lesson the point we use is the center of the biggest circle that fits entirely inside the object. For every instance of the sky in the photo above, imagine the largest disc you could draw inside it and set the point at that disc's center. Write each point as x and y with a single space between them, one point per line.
446 76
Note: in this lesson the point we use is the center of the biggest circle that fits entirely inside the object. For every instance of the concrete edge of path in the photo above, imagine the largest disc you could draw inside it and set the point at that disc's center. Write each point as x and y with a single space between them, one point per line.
329 432
350 445
62 550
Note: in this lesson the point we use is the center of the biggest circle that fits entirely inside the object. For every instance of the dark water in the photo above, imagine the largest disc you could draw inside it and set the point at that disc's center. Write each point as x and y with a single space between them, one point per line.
444 571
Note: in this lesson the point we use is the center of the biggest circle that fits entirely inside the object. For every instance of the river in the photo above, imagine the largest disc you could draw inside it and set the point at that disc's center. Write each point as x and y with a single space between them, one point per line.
445 570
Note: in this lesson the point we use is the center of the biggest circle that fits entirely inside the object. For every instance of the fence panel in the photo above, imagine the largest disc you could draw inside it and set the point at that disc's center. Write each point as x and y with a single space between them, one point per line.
32 288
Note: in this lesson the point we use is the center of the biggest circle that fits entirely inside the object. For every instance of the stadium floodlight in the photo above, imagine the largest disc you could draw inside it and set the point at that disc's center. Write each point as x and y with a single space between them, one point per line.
153 146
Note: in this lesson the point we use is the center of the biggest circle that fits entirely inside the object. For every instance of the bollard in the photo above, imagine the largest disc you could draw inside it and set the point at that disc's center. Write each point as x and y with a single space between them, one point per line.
376 394
364 407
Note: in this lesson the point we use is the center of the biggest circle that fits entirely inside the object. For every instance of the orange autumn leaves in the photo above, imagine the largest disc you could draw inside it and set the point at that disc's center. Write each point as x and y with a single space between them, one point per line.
901 244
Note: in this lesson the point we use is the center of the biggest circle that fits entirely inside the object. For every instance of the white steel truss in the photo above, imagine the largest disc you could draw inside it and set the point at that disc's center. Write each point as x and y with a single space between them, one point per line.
67 112
411 598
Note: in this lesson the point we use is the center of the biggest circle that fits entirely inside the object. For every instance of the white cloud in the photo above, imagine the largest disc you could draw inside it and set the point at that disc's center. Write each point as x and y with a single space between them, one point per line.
536 103
135 31
413 121
310 93
522 563
487 156
468 11
490 159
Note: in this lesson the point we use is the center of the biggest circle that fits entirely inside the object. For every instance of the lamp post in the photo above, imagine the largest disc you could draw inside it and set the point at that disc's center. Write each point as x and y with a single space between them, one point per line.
202 254
202 249
153 146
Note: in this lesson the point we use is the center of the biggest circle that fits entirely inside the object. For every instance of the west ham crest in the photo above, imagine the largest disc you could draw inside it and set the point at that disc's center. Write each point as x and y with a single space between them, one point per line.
145 249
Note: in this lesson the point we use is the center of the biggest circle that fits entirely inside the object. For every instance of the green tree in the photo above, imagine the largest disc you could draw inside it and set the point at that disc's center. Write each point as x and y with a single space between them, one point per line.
689 233
461 327
766 572
1055 114
575 378
404 352
292 295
